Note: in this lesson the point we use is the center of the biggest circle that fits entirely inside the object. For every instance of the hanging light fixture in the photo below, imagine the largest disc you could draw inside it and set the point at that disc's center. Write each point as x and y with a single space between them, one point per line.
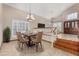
30 17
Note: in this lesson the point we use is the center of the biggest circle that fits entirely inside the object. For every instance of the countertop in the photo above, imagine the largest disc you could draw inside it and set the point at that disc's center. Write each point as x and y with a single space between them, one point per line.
68 37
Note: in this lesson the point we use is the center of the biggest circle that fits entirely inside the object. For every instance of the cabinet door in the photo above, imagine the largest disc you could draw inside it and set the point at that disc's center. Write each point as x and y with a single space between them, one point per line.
73 24
65 24
76 24
68 24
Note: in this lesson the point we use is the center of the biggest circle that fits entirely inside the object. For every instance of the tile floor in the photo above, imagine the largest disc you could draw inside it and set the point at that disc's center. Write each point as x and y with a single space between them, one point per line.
11 49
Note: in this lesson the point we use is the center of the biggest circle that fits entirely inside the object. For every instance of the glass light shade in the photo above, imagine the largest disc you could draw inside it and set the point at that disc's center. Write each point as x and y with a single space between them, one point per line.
30 17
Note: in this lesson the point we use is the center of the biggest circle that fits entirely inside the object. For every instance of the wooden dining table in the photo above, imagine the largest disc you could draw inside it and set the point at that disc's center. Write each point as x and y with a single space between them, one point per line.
29 35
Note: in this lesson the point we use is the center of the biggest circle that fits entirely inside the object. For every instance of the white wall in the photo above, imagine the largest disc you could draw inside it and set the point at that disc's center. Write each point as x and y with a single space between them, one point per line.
13 13
1 25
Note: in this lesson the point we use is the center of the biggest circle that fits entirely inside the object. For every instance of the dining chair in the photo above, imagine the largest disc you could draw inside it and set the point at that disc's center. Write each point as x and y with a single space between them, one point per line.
21 41
37 40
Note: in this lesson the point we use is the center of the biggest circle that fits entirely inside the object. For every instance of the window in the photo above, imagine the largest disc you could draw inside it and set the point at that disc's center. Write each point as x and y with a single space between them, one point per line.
19 26
72 16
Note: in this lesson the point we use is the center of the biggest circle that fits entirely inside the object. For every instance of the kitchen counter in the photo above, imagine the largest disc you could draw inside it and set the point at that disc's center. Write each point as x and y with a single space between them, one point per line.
68 37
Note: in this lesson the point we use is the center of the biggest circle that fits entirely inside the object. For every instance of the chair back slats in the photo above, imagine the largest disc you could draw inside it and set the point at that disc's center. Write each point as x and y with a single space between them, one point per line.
39 36
19 36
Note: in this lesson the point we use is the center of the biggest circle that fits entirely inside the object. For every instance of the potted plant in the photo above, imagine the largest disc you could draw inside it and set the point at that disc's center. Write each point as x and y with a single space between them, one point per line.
6 34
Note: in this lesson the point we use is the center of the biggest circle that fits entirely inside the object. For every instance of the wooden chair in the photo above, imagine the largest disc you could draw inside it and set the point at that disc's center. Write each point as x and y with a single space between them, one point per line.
37 40
21 41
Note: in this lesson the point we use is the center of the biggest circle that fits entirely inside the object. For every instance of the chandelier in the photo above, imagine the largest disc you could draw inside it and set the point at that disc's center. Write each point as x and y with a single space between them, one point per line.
30 16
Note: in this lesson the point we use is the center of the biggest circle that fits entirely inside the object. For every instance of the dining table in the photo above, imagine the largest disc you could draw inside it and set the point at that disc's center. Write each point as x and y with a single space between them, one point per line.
29 35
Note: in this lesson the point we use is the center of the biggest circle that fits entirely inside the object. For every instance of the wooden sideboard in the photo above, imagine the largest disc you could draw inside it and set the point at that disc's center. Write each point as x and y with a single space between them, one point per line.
67 45
71 27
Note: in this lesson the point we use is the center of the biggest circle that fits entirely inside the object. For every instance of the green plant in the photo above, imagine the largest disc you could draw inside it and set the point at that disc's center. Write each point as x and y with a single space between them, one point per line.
6 34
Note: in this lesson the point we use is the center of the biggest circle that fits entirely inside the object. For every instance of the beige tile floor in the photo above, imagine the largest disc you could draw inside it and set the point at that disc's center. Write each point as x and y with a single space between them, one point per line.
11 49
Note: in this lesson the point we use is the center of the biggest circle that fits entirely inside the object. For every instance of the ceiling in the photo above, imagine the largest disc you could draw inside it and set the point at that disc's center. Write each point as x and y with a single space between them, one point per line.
46 10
